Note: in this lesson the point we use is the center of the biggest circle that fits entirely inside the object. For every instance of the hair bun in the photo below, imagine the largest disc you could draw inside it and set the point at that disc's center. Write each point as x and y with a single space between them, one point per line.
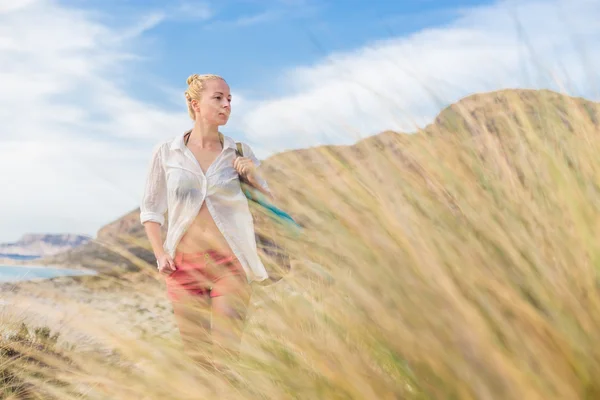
192 78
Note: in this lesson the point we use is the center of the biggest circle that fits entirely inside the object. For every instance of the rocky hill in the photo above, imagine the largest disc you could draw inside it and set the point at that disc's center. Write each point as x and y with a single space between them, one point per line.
118 246
122 244
39 245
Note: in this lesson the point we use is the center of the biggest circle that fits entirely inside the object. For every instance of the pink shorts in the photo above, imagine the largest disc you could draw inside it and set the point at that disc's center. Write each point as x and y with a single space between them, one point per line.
207 273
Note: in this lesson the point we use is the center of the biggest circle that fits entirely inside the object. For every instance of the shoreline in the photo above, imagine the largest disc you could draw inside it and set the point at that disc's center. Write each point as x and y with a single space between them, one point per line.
38 266
102 301
12 262
39 263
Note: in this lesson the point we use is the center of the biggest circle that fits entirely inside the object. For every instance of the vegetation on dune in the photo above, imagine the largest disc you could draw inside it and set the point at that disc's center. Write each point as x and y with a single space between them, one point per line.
464 260
24 370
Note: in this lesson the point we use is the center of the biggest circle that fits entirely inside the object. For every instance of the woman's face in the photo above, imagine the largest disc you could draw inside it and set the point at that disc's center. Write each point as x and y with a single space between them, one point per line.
214 106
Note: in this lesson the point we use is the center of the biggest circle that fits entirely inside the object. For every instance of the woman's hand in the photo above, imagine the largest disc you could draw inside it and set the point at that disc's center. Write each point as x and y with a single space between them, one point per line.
166 265
246 168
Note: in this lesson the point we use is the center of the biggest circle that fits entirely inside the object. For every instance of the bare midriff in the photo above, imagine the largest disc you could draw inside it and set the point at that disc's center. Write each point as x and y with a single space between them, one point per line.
203 233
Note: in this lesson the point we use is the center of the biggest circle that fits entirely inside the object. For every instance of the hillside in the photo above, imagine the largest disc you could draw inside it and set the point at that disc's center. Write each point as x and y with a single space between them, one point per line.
38 245
463 261
498 111
120 243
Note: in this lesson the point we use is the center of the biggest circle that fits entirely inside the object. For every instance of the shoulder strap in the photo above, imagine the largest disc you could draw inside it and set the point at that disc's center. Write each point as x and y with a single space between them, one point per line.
239 151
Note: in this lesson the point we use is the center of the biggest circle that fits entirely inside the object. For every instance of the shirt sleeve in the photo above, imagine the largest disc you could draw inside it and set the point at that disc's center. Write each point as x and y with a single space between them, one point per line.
154 200
250 154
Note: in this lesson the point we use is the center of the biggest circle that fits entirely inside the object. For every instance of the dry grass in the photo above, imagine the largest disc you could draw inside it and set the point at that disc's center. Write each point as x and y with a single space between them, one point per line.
465 260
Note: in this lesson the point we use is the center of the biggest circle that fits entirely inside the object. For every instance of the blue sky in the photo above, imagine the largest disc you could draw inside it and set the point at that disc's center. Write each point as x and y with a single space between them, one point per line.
90 86
251 41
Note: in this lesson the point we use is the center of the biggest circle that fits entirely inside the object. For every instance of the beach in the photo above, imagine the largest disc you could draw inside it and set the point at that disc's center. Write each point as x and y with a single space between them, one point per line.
82 306
93 309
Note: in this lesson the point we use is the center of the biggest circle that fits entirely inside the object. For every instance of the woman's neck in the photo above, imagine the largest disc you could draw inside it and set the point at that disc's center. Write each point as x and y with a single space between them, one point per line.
204 136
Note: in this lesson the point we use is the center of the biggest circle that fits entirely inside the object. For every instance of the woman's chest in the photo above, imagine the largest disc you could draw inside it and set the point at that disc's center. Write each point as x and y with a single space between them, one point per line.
205 158
194 176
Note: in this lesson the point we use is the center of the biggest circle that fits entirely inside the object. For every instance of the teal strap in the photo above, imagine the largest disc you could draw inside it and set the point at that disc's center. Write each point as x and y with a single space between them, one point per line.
260 199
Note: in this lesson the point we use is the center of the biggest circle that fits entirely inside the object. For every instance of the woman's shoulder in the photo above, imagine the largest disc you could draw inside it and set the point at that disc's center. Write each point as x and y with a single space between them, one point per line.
163 145
245 146
248 151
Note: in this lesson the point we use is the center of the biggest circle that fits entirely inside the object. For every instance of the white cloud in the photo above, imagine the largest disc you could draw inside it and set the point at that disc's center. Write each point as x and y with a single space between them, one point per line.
403 82
65 186
12 5
193 9
146 23
271 10
249 20
73 143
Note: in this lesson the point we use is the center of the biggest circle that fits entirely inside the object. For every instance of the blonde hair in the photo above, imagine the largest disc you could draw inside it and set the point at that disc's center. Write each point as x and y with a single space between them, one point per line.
195 87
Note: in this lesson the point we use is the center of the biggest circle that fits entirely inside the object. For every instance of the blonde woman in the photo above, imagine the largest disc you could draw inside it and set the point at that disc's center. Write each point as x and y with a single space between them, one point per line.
209 256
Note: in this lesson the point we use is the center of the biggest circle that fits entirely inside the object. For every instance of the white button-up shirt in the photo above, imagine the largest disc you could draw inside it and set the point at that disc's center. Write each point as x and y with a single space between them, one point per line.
176 183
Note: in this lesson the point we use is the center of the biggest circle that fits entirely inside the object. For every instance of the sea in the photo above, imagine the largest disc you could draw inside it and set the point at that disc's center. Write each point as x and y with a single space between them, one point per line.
17 273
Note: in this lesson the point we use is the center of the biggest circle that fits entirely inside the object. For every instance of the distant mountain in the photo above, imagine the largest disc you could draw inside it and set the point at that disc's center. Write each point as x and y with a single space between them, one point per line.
122 244
41 245
119 246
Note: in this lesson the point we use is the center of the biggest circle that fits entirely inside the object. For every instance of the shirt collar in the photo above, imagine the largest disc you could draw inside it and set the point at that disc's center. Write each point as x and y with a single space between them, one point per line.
178 144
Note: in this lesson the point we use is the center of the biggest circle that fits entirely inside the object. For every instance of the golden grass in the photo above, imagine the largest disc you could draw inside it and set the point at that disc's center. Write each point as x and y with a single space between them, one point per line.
464 260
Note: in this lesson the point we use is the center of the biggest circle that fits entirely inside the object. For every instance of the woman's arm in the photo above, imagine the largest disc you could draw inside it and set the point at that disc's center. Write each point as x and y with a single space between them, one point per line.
154 203
153 232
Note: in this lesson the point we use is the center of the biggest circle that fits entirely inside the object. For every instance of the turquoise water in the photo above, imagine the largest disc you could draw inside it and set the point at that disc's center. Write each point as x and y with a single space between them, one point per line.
11 273
18 256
